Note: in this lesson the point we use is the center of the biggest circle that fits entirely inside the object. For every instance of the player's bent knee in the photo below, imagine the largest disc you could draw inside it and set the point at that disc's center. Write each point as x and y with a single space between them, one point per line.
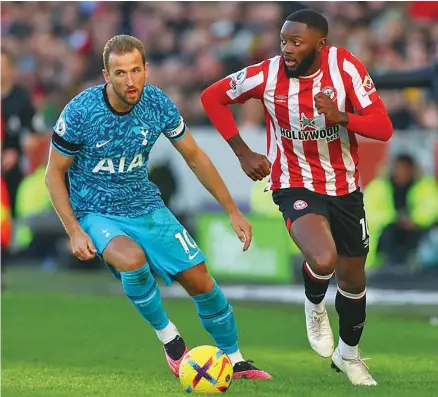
124 254
203 286
196 280
351 285
356 288
324 263
132 261
350 274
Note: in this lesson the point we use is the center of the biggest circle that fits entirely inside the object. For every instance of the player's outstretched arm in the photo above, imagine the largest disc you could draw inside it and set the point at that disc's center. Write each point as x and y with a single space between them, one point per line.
238 88
82 246
208 175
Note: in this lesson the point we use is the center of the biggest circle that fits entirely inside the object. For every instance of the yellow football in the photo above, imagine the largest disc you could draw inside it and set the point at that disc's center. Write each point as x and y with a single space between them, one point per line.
206 369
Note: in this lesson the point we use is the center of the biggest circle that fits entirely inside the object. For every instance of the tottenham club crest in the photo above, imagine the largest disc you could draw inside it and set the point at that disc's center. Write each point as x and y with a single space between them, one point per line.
330 92
145 133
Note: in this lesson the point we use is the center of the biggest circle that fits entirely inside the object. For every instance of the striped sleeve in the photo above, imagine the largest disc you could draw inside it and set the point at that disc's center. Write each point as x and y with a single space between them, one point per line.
359 86
68 131
238 87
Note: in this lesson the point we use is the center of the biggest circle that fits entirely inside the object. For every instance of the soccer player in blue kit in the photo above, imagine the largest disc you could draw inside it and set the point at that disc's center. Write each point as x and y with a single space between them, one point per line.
102 141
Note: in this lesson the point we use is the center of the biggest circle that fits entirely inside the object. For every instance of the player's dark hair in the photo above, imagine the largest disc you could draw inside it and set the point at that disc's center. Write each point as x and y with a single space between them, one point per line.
122 44
312 19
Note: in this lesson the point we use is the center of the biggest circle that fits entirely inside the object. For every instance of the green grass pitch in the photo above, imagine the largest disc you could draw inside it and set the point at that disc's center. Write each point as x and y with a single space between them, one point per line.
57 344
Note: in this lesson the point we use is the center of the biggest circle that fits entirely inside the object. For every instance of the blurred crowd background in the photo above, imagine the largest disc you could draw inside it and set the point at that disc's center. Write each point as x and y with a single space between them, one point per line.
53 50
58 46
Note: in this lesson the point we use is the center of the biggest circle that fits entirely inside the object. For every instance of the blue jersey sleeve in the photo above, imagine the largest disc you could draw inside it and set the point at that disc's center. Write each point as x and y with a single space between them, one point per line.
175 127
68 130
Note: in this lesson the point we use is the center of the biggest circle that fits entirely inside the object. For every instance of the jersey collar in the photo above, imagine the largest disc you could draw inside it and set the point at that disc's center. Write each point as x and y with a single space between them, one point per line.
105 97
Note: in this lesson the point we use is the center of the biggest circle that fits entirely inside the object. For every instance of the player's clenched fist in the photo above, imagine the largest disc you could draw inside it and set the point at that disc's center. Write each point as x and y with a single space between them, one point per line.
326 106
82 246
255 165
242 228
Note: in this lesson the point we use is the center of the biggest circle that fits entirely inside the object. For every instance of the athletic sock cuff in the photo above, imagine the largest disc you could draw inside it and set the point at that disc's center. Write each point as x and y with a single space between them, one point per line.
350 295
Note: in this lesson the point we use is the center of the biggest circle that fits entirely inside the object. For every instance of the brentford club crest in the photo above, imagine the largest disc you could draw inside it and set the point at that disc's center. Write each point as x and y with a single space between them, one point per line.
330 92
300 205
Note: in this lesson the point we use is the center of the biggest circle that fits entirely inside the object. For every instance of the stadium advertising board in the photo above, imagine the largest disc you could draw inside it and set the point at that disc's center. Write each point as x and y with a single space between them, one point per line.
267 260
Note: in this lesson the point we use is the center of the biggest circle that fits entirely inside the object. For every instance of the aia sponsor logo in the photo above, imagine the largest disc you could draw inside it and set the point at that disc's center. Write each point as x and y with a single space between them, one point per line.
300 205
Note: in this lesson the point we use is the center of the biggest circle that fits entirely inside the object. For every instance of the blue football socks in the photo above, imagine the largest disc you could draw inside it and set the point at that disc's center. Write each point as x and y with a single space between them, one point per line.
217 317
141 288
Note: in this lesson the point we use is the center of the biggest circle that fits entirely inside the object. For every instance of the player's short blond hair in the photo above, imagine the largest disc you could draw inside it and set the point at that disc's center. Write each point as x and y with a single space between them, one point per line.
122 44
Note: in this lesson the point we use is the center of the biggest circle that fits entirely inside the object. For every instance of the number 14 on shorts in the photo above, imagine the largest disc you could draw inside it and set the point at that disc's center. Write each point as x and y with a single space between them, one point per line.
365 232
186 241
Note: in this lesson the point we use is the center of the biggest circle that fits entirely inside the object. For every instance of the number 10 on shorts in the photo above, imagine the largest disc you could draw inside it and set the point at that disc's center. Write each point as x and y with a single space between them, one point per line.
186 241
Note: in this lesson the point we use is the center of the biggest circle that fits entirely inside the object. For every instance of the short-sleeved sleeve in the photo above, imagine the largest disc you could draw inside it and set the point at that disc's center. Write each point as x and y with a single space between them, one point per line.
174 125
68 130
359 85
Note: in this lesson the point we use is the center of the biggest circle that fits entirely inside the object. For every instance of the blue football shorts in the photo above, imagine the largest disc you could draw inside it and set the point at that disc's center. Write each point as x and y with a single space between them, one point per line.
168 247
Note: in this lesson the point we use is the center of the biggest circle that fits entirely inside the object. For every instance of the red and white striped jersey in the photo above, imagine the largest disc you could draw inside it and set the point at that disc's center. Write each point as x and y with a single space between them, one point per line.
304 149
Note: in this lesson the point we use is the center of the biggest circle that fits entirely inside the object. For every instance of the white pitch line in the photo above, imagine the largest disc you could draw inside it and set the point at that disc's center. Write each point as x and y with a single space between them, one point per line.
295 294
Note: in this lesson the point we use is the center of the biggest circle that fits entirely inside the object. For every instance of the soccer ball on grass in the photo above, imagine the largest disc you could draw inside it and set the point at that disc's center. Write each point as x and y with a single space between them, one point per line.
206 369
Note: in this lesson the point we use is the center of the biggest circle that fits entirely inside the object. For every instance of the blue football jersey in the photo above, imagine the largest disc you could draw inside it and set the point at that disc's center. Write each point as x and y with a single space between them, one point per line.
109 172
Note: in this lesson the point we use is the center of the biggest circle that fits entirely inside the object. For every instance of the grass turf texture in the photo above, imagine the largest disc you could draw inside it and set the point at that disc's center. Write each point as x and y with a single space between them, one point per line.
57 344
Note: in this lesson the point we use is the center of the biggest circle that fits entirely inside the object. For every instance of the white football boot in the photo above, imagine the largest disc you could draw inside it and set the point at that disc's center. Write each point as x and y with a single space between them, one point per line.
319 332
355 369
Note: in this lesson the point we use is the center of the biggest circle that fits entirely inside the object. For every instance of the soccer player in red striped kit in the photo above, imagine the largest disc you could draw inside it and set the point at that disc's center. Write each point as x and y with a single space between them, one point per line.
316 98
